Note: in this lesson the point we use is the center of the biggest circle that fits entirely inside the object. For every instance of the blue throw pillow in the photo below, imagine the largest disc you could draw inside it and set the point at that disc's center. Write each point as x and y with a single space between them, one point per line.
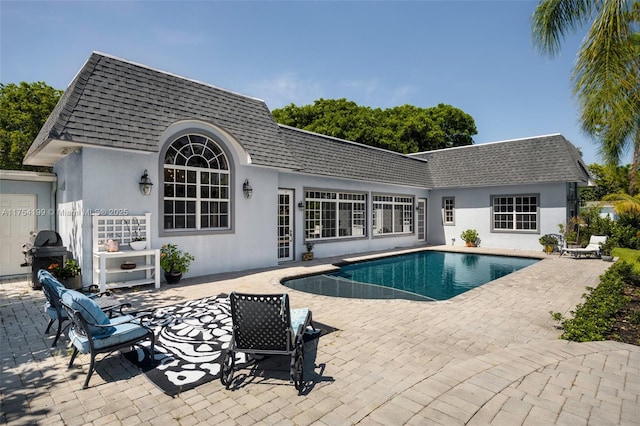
90 311
50 281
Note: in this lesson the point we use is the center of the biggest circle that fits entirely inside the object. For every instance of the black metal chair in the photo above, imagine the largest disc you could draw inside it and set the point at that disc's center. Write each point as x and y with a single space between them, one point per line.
263 324
93 332
52 289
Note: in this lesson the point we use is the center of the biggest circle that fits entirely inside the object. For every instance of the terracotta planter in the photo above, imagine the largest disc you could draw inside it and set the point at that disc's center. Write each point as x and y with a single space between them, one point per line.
470 244
307 256
172 277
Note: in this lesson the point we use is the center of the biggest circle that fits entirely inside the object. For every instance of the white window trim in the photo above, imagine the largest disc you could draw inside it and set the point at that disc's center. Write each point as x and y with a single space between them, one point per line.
514 214
396 200
452 222
198 230
355 228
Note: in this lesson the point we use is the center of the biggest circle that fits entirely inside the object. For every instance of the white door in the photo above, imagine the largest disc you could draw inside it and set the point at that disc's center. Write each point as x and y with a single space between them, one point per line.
422 219
285 224
17 219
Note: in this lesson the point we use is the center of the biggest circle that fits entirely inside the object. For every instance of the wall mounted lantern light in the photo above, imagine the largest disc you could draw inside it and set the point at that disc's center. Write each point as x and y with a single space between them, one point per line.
301 205
145 184
247 189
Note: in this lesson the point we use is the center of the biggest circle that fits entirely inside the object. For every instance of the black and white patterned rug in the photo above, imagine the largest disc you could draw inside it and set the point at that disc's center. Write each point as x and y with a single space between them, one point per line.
189 341
190 337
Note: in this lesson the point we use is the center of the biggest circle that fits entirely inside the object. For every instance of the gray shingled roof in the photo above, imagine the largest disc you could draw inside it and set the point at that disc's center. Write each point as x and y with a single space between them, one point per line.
533 160
120 104
328 156
116 103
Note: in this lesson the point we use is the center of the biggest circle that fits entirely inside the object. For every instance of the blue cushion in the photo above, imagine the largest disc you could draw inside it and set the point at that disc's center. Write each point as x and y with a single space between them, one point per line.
299 317
46 279
53 312
125 332
90 311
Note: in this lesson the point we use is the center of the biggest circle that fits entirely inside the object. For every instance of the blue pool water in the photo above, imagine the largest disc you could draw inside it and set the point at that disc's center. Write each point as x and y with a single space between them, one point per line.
425 275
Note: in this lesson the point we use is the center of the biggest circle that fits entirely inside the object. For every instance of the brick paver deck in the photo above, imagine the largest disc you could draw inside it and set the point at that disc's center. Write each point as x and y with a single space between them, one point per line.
489 356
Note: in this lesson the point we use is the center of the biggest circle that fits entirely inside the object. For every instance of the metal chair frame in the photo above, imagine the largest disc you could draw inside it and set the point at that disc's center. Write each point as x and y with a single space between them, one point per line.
81 326
262 326
109 305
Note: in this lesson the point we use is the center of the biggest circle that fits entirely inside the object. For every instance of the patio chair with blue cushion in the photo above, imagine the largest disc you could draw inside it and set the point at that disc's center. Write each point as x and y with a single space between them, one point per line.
593 248
263 324
53 289
93 332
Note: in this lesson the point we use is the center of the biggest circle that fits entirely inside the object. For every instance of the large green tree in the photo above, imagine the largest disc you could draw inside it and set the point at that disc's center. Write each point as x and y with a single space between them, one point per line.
23 110
608 180
403 128
606 75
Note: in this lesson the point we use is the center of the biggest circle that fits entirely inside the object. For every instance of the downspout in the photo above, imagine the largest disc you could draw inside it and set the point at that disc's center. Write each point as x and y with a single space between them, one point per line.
54 202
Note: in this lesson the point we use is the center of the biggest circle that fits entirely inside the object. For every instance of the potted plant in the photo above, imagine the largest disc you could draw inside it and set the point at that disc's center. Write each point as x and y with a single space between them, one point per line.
138 242
549 242
174 262
606 250
68 274
470 236
309 254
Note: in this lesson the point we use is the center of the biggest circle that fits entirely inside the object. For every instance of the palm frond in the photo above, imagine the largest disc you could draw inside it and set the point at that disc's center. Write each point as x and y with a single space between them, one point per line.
624 203
553 20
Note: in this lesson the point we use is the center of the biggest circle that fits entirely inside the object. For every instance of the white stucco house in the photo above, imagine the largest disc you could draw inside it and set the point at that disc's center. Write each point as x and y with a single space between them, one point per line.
203 146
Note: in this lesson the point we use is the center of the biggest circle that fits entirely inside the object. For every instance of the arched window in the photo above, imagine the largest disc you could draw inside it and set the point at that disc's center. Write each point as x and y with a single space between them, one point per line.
197 188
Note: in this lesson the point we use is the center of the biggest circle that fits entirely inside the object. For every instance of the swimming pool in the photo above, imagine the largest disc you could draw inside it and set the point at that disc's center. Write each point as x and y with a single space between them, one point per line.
424 275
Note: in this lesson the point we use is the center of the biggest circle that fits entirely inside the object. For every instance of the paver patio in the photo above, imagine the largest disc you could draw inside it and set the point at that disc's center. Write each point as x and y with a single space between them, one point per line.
489 356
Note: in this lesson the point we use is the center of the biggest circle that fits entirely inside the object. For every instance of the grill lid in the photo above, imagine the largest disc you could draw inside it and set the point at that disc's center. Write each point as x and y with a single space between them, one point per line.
48 251
47 238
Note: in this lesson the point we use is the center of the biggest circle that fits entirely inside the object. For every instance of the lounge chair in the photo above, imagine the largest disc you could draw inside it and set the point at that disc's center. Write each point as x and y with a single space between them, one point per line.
93 332
593 248
52 289
263 324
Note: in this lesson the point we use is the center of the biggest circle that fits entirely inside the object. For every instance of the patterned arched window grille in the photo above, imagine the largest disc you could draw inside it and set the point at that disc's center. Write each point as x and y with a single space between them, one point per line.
197 188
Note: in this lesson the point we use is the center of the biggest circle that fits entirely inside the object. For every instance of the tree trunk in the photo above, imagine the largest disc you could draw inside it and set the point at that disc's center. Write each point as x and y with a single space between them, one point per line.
635 163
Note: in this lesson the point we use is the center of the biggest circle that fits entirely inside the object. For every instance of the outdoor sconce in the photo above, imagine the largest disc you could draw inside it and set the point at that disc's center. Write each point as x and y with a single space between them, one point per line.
247 189
301 205
145 183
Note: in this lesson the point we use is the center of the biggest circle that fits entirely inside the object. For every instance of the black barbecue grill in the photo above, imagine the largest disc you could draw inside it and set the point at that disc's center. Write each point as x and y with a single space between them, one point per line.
45 250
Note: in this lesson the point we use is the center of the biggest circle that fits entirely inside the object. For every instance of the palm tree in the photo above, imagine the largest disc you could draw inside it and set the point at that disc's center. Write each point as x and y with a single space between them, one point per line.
624 203
606 76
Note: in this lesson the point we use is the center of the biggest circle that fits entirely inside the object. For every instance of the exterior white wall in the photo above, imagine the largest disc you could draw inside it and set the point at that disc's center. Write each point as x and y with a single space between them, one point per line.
98 181
106 181
473 211
338 247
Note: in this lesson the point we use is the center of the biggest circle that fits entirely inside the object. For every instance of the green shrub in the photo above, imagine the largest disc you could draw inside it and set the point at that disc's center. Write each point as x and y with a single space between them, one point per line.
593 319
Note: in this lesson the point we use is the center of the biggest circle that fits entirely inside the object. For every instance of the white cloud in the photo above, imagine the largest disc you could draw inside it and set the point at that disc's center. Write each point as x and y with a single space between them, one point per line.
288 88
375 94
285 89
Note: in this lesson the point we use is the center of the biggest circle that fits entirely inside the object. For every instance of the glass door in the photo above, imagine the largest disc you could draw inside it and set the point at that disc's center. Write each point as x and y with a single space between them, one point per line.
422 219
285 224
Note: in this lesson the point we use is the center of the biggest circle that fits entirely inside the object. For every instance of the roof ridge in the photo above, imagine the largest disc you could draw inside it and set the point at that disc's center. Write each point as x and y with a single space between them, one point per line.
487 143
350 142
193 80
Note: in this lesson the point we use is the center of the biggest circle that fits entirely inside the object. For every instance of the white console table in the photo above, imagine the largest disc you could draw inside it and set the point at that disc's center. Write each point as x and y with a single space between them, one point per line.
107 272
110 275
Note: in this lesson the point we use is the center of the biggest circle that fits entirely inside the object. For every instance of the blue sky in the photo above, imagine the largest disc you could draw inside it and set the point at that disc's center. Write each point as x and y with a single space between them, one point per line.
474 55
